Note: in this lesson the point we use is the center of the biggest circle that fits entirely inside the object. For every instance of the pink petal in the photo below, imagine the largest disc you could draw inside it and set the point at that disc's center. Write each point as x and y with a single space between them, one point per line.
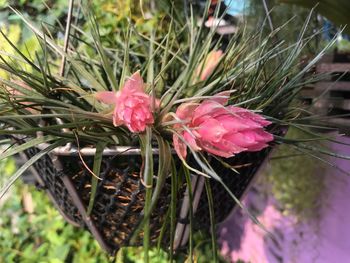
210 63
247 114
211 130
205 109
216 151
191 141
134 84
179 146
242 139
263 136
252 140
263 121
222 101
186 110
132 101
117 121
137 126
229 147
257 147
140 114
241 119
232 123
107 97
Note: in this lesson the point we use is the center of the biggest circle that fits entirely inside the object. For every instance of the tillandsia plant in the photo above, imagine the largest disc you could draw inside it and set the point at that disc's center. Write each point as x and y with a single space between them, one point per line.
179 96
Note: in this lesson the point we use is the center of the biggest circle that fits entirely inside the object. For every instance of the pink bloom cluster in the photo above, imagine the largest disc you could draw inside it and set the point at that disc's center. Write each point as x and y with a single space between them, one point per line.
132 106
219 130
209 126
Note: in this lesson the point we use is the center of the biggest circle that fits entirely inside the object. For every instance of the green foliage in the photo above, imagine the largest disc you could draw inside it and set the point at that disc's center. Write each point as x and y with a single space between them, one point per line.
296 179
131 255
202 253
343 46
7 168
42 236
48 13
289 32
23 38
45 237
336 11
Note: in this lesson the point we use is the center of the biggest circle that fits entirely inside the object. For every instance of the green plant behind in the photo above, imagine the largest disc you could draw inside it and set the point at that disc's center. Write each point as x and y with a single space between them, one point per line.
297 180
336 11
42 236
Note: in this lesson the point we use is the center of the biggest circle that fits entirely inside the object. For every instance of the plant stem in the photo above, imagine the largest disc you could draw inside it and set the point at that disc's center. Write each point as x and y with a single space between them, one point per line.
212 219
174 183
148 180
190 195
66 37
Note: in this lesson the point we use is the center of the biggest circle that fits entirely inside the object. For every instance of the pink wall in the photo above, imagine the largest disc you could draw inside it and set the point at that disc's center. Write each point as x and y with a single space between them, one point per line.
325 239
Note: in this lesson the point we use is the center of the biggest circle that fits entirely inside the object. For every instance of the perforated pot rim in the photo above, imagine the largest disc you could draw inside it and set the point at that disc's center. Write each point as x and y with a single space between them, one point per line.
70 150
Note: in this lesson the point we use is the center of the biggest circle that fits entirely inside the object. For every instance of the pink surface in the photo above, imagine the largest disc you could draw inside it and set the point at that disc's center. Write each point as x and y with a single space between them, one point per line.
325 239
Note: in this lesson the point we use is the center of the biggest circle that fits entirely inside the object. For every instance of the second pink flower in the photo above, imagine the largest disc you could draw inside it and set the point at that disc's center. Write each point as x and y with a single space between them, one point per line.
219 130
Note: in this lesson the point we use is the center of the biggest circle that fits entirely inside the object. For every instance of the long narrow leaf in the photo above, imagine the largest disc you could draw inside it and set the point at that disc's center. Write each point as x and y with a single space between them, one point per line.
24 146
30 162
96 169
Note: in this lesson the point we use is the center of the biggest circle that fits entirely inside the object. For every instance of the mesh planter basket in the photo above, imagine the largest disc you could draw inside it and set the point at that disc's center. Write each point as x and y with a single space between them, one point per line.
120 194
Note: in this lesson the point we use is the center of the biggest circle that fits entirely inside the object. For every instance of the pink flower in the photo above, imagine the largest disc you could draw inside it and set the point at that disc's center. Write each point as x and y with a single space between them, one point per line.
133 107
206 67
219 130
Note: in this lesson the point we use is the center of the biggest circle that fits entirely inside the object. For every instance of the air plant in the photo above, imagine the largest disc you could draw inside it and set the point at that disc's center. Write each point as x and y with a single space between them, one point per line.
176 88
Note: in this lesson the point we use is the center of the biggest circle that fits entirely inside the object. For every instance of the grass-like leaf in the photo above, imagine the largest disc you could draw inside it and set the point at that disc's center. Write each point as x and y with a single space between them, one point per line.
27 145
28 164
100 146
